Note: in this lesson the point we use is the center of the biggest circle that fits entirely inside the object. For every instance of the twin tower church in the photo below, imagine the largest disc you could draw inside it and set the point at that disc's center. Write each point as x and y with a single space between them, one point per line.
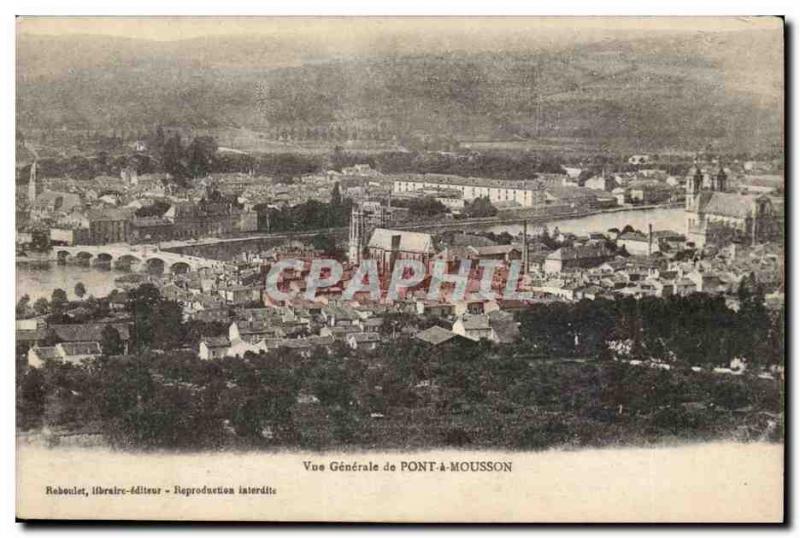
712 211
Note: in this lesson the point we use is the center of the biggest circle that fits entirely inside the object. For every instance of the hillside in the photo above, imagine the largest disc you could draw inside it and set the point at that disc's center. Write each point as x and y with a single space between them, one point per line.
668 91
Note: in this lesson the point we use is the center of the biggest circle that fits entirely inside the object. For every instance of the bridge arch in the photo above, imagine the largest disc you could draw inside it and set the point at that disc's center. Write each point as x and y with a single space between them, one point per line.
128 261
63 255
180 268
84 257
103 258
155 266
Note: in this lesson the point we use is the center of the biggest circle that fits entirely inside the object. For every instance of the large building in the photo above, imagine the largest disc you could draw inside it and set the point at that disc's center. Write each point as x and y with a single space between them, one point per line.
364 218
714 211
387 246
528 193
577 257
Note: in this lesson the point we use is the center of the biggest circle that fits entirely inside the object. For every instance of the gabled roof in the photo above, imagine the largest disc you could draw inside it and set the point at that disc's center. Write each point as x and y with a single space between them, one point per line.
578 252
46 352
497 249
110 214
364 337
409 241
727 204
435 335
476 322
253 327
80 348
216 341
88 332
340 312
60 201
633 236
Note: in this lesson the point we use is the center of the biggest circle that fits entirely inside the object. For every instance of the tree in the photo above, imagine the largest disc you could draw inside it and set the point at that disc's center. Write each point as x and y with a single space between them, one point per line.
142 304
111 341
427 206
80 290
336 195
22 305
173 159
41 306
326 243
479 208
201 154
58 300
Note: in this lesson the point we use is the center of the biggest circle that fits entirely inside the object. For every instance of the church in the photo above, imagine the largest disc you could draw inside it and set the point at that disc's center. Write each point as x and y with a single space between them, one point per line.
713 211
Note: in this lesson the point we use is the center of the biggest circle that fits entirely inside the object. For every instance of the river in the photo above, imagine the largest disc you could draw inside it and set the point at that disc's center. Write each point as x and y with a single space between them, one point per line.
661 219
41 281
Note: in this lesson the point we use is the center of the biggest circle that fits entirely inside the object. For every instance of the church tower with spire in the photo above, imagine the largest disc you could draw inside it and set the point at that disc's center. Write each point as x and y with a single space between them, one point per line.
721 181
694 185
34 189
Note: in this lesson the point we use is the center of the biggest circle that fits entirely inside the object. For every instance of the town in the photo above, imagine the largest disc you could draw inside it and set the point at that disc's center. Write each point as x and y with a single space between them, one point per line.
236 265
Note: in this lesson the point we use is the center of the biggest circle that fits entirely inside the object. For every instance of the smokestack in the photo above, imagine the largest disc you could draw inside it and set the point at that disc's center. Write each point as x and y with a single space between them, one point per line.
524 247
650 239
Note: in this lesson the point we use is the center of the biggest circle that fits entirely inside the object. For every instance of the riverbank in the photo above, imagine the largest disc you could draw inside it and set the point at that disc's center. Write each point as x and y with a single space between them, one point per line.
222 248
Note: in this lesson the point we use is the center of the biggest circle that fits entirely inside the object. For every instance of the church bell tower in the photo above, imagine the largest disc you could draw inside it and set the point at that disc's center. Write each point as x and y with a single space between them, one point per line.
693 185
33 185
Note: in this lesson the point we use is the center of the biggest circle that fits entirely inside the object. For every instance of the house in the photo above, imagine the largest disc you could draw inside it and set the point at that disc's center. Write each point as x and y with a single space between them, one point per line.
366 341
639 159
504 253
38 355
253 331
339 316
339 332
708 283
472 326
434 308
212 315
684 286
638 243
240 347
601 183
213 347
496 326
90 332
238 294
372 325
649 192
558 288
67 352
577 257
436 336
505 328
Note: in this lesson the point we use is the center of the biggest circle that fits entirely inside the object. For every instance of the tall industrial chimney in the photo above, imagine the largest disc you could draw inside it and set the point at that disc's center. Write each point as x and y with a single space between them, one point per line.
524 247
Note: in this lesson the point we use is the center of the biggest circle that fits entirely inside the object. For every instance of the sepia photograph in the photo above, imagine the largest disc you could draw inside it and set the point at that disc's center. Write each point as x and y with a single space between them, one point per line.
377 262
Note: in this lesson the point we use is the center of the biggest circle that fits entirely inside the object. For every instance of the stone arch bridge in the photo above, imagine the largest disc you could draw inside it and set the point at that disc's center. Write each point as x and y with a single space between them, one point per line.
134 256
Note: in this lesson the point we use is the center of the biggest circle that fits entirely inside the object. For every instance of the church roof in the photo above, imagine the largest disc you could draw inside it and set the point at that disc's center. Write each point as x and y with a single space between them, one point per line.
726 204
409 241
59 201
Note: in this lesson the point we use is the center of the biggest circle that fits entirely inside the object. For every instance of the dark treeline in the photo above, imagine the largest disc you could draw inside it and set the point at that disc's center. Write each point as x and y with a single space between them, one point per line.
697 330
402 395
548 389
310 215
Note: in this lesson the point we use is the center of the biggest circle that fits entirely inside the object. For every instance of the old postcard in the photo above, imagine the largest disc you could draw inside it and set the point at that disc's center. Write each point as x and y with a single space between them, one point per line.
400 269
